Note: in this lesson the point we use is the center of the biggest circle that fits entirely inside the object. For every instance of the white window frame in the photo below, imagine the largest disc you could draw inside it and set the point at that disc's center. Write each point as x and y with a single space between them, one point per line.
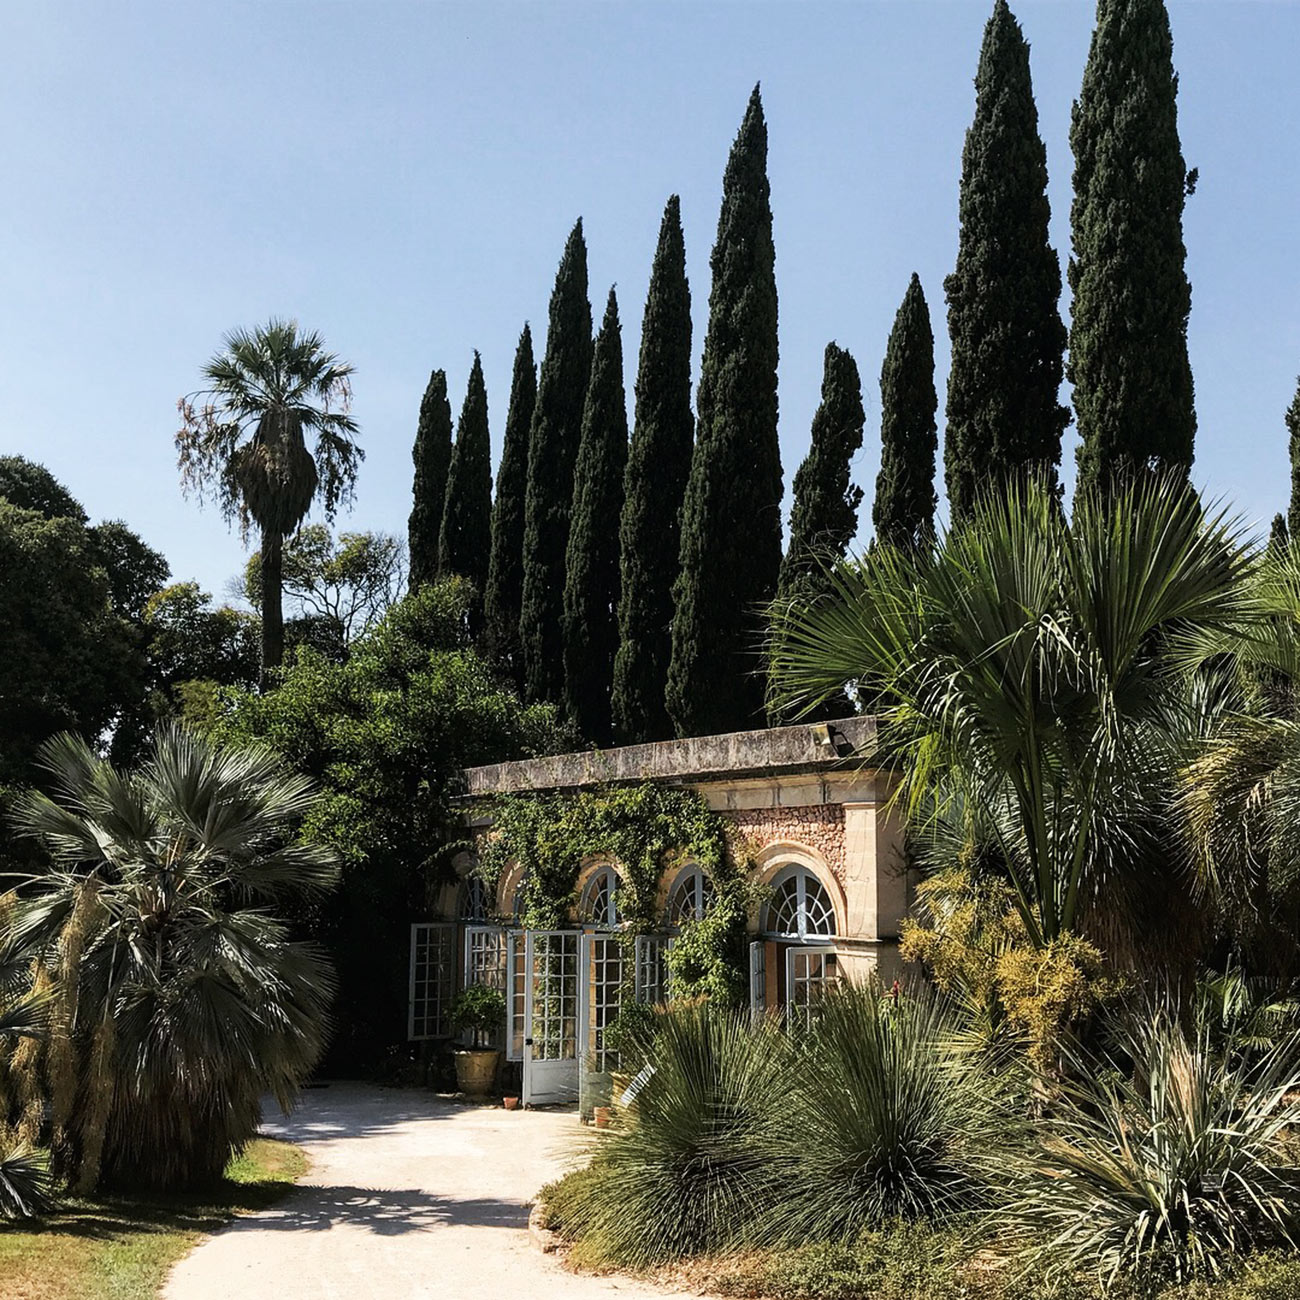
433 944
704 892
612 919
801 876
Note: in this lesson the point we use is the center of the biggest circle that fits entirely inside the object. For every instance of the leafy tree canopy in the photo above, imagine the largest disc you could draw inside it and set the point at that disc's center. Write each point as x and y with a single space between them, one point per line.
387 734
349 582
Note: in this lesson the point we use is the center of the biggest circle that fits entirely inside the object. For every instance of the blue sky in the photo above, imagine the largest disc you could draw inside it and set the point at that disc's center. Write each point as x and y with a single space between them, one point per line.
402 177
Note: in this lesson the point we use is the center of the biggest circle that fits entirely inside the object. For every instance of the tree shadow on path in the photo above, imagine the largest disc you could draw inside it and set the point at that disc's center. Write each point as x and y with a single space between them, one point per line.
384 1212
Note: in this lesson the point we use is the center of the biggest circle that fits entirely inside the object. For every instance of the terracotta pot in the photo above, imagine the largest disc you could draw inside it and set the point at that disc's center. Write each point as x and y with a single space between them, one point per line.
510 1103
600 1114
476 1071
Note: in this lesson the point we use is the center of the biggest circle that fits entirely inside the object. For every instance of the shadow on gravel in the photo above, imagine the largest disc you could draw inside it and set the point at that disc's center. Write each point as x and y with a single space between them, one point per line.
385 1213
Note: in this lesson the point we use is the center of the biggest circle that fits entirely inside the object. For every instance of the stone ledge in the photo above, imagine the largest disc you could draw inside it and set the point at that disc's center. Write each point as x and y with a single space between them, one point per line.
803 748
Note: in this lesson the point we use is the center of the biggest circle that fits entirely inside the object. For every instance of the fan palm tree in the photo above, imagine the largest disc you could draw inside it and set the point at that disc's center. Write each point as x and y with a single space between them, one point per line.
1027 674
179 998
24 1173
243 441
1241 793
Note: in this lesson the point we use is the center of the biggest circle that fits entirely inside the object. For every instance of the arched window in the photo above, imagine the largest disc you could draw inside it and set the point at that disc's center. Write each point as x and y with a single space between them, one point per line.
600 899
474 905
800 907
692 896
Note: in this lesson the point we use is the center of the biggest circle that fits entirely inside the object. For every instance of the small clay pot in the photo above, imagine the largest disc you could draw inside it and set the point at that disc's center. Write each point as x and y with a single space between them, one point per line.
510 1103
600 1116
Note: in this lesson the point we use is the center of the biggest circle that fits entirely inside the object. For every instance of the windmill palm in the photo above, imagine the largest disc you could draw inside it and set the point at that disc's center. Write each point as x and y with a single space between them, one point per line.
244 441
179 997
1027 673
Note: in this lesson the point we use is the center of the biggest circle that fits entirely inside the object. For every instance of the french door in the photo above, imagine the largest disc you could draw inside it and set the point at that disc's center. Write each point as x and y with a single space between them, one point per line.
551 1006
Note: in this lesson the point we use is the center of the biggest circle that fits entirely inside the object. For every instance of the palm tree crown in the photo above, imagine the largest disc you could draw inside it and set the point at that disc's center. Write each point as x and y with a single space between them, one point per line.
243 442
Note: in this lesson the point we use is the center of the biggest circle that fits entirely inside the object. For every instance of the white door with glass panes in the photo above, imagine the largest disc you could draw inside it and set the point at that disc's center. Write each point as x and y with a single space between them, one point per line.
809 973
551 1006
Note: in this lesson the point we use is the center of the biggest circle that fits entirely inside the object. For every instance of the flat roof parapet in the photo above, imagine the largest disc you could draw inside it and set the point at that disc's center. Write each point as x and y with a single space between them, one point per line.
807 747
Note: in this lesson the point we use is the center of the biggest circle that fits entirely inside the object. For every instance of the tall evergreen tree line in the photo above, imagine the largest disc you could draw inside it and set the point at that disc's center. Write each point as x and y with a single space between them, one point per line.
670 635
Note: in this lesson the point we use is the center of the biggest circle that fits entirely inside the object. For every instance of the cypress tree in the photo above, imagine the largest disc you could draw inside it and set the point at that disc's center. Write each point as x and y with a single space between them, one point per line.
825 513
505 567
432 456
1279 536
1008 342
903 512
659 463
731 515
1293 440
1128 338
466 534
591 585
552 450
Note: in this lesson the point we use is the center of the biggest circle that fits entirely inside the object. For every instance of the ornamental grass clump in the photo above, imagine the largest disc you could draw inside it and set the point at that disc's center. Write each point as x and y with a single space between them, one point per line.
686 1172
1161 1161
886 1118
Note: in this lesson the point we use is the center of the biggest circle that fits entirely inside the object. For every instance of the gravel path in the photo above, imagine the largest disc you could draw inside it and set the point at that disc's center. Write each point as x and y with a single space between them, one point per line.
408 1198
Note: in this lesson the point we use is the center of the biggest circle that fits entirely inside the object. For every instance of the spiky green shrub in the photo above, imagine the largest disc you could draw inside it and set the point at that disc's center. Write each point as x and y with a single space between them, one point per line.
24 1182
179 1000
886 1118
1160 1160
686 1173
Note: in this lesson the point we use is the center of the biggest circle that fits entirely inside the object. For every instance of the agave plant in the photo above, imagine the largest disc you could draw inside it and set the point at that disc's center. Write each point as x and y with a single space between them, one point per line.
887 1117
1162 1160
687 1170
179 999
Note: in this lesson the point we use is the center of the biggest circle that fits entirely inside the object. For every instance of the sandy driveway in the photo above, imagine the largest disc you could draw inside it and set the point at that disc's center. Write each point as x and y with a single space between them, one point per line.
408 1197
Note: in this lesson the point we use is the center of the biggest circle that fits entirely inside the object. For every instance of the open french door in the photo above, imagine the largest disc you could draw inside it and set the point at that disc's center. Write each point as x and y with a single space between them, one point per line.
551 1006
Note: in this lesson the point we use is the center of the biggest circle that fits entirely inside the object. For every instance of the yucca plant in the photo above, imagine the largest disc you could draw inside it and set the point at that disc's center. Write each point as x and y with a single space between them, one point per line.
687 1171
887 1117
179 999
1161 1160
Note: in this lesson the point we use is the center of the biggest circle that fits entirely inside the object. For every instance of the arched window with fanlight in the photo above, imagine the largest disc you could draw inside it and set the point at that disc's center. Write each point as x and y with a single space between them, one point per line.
796 961
692 895
800 908
474 903
599 905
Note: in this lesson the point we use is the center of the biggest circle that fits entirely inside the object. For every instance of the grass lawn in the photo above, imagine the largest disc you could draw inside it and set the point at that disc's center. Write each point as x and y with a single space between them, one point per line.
121 1249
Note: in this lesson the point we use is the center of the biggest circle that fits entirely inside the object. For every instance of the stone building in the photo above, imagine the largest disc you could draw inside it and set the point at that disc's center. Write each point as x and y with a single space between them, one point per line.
826 849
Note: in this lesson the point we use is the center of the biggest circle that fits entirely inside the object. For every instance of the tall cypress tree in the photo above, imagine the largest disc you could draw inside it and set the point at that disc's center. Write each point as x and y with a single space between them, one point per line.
903 512
552 451
1293 441
466 534
659 463
506 566
1128 338
432 456
1008 342
591 583
731 516
825 513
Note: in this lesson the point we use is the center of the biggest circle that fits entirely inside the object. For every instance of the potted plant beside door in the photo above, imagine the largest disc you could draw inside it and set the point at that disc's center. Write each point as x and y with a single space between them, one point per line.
479 1012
